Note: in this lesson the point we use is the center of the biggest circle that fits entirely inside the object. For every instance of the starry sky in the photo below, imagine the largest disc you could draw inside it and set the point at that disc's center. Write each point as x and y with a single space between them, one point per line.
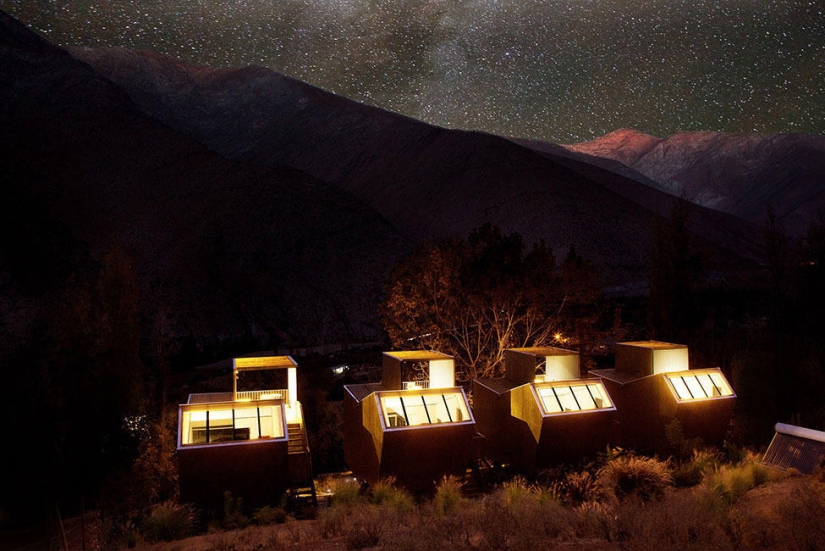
559 70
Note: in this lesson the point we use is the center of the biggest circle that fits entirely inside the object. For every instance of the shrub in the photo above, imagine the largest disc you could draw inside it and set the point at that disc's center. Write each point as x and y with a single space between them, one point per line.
347 492
578 487
693 472
169 521
269 515
233 516
386 493
632 475
515 492
448 495
730 482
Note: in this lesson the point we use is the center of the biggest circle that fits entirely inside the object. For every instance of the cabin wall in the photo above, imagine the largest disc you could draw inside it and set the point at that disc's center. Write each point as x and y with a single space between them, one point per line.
575 436
492 414
520 368
360 452
419 457
254 471
640 360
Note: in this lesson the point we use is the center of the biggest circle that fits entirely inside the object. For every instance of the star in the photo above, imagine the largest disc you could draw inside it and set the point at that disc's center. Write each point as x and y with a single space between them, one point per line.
558 70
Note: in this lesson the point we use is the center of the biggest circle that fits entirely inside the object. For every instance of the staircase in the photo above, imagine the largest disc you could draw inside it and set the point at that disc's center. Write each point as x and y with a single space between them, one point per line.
300 480
297 439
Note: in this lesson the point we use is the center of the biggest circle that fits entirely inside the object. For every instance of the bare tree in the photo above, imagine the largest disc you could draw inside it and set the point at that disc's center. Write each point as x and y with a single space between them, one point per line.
473 299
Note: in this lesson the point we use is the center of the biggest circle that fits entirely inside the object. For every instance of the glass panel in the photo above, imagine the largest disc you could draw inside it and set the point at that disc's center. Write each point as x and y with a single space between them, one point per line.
413 409
548 399
707 385
700 385
694 386
393 412
416 412
721 384
600 396
277 423
583 397
220 425
681 390
437 408
246 424
216 425
457 407
566 399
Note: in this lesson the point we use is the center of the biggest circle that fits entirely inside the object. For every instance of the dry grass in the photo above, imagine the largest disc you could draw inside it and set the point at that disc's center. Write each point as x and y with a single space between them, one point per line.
736 506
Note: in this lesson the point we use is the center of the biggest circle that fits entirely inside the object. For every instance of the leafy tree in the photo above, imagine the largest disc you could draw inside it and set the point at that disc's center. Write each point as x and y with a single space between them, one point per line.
473 299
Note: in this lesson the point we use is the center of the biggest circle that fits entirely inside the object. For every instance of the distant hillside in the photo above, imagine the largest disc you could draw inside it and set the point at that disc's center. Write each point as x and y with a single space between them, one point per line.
741 174
428 182
224 249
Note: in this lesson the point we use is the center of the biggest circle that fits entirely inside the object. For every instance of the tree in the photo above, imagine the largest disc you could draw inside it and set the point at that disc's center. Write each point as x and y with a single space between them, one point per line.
473 299
674 273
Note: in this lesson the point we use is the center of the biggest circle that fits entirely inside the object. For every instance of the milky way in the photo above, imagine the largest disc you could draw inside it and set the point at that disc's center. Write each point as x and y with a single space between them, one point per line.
559 70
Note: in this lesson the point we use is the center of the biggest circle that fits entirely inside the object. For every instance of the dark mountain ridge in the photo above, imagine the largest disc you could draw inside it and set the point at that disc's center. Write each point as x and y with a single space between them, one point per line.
428 182
740 174
225 248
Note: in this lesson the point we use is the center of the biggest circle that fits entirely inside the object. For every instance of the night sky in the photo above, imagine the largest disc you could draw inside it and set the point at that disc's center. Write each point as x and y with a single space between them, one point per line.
559 70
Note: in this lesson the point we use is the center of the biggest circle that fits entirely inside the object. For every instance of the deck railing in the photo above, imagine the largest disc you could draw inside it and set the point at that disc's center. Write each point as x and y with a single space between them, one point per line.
253 395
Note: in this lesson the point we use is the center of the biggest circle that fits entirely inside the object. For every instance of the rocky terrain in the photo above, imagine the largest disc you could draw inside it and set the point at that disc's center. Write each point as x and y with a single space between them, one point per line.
741 174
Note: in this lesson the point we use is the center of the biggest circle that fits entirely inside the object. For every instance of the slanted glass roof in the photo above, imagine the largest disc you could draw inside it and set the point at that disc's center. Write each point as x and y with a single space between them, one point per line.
572 396
207 424
421 407
698 384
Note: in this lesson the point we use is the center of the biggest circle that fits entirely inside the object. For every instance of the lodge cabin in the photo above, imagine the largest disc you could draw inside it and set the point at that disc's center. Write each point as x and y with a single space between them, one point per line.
656 393
414 431
542 412
251 441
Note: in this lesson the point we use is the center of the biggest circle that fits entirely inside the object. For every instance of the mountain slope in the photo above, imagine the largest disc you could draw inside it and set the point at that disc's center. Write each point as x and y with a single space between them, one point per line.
428 182
741 174
225 248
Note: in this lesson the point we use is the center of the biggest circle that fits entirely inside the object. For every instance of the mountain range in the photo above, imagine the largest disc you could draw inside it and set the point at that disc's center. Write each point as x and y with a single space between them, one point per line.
741 174
252 204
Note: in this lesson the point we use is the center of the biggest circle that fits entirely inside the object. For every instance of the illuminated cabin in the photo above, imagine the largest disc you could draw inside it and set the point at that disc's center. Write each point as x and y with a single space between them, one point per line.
652 386
417 431
541 412
250 442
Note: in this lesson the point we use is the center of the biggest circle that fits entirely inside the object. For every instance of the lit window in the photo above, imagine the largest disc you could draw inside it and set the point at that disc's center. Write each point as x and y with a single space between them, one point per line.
699 385
226 424
559 398
413 409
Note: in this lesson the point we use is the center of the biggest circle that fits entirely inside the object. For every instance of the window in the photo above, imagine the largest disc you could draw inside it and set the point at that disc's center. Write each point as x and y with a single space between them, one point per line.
567 397
699 385
213 425
413 409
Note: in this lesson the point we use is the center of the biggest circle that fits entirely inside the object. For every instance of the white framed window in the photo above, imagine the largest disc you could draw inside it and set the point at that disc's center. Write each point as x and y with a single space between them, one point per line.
225 423
573 396
699 385
411 409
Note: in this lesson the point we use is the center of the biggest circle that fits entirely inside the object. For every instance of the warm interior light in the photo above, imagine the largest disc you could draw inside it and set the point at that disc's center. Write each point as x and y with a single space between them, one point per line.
562 398
698 385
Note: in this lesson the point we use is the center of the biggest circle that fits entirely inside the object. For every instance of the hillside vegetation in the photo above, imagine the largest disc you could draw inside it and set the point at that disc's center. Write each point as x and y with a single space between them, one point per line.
622 501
